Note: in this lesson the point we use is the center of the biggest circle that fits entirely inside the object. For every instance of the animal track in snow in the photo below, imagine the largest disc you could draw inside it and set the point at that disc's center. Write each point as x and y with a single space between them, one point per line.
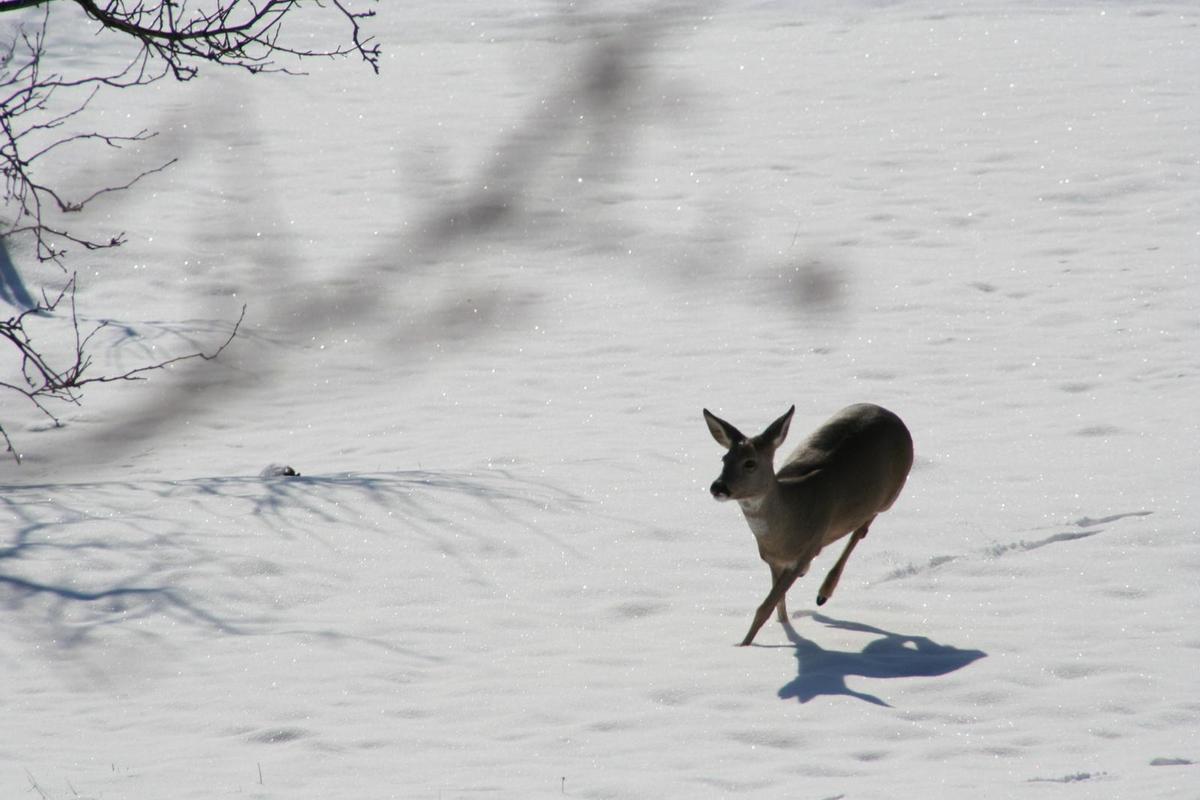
916 569
1087 522
1078 777
1021 546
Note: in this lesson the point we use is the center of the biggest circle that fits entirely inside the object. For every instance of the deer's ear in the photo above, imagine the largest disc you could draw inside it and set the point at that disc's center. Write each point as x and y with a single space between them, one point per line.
777 431
725 434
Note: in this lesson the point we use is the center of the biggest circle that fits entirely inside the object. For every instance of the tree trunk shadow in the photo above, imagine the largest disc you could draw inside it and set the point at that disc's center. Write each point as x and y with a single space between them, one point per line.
891 655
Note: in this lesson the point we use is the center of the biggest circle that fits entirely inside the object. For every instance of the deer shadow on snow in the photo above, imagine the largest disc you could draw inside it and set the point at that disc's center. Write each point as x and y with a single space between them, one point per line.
891 655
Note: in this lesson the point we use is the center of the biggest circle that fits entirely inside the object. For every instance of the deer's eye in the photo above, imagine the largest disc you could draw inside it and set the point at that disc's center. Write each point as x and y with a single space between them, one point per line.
750 465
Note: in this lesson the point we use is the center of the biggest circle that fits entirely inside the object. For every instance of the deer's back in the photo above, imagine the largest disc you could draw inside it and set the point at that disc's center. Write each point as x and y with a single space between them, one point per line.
856 463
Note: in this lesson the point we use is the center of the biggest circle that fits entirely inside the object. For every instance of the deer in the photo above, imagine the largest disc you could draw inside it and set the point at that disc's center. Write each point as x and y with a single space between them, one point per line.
847 472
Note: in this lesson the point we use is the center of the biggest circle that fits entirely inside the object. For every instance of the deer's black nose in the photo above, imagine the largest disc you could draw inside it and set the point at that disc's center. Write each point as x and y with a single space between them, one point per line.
719 490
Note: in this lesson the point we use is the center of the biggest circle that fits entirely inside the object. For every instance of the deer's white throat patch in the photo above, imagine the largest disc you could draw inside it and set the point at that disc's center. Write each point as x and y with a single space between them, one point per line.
756 518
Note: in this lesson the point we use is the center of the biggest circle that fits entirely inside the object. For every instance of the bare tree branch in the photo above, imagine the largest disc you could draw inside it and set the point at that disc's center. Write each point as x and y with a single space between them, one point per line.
40 112
174 40
17 5
45 381
240 33
31 123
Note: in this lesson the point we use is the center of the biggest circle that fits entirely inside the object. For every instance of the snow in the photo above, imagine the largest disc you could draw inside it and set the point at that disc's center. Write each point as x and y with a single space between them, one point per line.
488 294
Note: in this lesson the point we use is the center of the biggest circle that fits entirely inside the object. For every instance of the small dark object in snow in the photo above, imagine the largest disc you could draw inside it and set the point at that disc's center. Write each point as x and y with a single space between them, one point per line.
278 471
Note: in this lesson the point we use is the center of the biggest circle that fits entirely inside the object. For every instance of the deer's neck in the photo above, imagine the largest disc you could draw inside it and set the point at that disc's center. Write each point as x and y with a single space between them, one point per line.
759 511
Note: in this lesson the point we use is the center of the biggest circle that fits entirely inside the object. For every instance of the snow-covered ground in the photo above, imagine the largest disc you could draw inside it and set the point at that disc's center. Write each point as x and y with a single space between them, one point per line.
488 293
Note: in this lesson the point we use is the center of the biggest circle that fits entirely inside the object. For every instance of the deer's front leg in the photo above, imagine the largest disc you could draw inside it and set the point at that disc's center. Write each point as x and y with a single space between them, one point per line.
781 609
783 582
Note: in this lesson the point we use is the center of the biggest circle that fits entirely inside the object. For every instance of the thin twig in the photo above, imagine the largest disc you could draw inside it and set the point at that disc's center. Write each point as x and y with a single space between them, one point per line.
46 381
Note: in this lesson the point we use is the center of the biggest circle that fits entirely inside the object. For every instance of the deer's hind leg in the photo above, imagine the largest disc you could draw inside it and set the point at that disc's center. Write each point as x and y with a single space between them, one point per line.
831 580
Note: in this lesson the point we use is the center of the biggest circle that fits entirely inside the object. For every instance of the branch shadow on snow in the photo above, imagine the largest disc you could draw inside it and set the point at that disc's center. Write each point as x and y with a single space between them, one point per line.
428 504
891 655
44 566
77 558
